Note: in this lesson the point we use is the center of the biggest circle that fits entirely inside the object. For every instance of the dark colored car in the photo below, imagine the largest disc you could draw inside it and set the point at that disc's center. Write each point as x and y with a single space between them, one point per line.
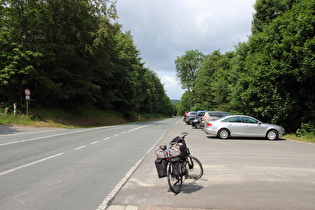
190 117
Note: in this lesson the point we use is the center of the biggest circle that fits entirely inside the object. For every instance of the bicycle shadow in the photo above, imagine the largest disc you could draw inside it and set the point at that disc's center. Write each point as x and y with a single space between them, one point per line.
191 186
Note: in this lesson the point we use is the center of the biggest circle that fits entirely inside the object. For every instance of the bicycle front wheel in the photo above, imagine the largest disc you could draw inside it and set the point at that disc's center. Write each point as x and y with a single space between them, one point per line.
175 182
195 169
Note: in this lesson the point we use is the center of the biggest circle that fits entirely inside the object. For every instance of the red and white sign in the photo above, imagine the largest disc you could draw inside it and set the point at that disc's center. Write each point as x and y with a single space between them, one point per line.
27 92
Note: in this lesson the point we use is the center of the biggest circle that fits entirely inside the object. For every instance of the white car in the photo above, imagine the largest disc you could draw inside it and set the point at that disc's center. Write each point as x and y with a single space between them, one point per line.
242 126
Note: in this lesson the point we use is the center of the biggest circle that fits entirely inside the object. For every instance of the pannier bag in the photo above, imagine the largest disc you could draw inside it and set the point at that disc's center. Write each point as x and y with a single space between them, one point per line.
173 151
176 166
179 150
160 165
160 152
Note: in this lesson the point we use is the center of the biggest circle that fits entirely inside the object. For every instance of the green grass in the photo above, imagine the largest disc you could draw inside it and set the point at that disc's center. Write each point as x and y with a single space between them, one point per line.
306 138
75 118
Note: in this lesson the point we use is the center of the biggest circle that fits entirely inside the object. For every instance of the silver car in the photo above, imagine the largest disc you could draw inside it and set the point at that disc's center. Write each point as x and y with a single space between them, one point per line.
242 126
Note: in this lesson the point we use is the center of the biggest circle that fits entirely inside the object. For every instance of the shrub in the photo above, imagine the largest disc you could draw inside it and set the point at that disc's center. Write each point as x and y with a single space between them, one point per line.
306 129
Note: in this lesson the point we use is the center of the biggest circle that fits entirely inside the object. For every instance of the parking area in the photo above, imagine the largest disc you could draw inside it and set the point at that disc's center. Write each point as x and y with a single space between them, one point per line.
238 174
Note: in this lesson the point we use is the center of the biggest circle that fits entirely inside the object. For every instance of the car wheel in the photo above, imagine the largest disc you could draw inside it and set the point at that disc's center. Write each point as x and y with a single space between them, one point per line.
272 135
223 133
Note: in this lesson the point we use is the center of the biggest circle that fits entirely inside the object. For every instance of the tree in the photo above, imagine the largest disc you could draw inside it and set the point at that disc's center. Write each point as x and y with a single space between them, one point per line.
18 63
183 105
212 89
267 11
70 54
278 78
203 89
187 67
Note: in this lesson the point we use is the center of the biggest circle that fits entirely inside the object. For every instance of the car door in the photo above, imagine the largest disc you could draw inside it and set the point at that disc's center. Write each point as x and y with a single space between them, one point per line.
253 127
236 126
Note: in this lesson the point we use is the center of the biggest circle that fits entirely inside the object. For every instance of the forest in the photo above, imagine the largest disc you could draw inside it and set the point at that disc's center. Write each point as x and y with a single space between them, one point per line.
72 53
270 77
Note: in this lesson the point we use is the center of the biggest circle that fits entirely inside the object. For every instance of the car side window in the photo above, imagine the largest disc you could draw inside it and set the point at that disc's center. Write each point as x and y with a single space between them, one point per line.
201 113
217 115
235 119
224 114
250 120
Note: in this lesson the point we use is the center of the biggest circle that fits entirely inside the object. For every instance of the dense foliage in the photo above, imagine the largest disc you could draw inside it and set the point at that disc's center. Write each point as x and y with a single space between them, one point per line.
272 75
71 53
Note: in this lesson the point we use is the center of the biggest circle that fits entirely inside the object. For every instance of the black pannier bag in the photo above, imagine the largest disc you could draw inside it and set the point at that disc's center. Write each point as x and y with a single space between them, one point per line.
160 165
176 166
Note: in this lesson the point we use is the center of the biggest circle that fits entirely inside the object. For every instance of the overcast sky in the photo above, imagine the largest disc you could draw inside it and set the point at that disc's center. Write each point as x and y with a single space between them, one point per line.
165 29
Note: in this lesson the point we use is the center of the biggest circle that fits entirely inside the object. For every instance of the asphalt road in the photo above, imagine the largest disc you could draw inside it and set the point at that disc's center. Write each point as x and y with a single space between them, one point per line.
113 167
71 169
238 174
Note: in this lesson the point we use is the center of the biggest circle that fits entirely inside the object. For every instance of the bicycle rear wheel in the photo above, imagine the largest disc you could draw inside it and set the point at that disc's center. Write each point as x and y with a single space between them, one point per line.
195 169
175 182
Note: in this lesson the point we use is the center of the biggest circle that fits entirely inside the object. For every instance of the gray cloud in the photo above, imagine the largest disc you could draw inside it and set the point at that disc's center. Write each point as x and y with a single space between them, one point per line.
165 29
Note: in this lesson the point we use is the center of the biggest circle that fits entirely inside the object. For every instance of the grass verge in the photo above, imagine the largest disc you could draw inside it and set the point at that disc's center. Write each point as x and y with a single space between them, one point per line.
306 138
78 118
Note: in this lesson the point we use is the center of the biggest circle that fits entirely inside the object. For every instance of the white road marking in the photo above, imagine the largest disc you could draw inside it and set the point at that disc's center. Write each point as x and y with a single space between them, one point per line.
138 128
95 142
16 197
43 137
79 147
104 139
111 195
29 164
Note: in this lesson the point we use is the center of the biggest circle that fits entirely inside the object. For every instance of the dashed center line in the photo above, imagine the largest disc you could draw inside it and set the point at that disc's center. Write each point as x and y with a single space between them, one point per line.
79 147
29 164
53 156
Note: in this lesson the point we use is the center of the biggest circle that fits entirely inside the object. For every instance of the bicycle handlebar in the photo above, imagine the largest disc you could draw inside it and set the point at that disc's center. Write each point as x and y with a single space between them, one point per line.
184 134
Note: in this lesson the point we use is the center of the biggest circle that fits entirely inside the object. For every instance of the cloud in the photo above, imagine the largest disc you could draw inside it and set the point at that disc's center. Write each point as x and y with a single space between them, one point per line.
165 29
172 87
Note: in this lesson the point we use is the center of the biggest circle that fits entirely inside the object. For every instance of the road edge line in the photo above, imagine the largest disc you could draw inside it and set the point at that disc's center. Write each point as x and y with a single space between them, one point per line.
112 194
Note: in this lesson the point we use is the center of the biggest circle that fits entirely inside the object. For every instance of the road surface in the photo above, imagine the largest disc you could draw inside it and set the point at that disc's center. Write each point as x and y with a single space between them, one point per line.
71 169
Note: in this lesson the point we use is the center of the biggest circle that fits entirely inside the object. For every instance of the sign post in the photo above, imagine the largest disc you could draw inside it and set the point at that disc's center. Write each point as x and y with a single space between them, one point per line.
14 109
27 97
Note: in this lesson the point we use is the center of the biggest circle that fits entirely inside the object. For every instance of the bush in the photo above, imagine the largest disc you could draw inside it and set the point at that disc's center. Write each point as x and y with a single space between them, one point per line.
306 129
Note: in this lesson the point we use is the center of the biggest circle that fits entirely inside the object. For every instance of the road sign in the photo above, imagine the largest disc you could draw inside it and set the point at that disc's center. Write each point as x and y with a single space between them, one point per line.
27 97
27 92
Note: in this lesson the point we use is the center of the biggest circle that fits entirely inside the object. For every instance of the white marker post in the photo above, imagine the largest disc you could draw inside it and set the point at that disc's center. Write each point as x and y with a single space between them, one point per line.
27 97
14 109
